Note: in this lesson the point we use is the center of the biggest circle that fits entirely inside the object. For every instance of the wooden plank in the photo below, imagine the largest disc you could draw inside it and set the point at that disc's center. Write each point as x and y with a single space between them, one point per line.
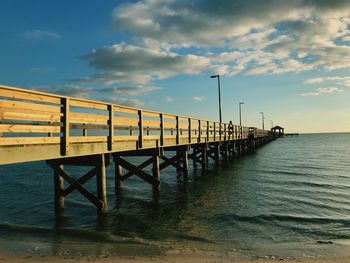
29 106
28 140
151 137
126 121
88 118
150 113
28 95
28 128
126 138
9 114
151 123
123 109
88 104
168 125
85 139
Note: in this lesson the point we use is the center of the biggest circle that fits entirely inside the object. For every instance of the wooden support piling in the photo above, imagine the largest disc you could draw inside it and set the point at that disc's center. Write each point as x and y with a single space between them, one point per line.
185 162
156 173
59 197
118 169
101 185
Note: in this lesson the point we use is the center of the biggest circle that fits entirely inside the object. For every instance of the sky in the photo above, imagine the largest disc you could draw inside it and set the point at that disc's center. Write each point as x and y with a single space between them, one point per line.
288 59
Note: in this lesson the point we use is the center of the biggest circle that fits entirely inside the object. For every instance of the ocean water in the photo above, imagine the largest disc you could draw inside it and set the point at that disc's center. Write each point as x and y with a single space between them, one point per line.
290 197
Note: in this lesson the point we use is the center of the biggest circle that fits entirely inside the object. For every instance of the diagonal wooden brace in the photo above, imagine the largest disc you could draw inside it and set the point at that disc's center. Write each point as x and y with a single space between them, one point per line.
82 180
74 183
141 166
140 173
171 161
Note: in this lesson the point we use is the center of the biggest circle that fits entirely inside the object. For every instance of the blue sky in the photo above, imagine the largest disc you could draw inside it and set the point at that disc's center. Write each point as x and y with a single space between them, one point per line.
289 59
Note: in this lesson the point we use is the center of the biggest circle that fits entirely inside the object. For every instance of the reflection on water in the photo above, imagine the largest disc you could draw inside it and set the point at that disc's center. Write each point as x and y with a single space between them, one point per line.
291 193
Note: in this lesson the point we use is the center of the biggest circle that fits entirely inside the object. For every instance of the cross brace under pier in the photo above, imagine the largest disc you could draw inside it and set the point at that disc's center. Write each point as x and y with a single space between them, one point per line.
155 160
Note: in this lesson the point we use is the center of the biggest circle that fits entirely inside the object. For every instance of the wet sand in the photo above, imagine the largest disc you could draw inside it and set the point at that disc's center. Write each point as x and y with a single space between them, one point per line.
173 258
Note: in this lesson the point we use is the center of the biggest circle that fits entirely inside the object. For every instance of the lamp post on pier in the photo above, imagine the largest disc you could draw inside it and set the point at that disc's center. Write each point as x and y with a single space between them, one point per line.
240 113
218 77
263 120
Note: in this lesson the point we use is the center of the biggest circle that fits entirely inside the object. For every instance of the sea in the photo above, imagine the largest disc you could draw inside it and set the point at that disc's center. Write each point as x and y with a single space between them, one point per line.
289 198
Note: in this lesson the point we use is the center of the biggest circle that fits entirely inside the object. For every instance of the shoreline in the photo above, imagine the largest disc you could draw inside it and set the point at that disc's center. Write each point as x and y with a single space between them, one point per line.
100 252
171 256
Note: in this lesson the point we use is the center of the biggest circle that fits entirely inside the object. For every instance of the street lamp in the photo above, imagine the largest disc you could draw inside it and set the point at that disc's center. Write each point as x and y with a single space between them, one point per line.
240 113
262 119
218 77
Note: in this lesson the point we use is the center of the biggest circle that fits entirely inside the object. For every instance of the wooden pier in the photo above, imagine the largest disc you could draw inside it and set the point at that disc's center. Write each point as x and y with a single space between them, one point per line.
65 131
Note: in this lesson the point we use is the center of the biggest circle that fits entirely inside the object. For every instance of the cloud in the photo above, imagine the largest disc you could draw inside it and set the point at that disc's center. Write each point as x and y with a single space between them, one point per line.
39 34
111 95
130 91
66 90
198 98
322 91
340 81
121 63
251 37
169 99
136 103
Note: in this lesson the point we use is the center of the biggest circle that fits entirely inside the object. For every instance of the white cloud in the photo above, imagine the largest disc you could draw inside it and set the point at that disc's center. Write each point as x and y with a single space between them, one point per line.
198 98
339 81
236 37
322 91
126 102
130 91
169 99
39 34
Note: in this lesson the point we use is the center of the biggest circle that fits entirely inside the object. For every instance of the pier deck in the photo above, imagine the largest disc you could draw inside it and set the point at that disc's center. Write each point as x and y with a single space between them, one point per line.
72 131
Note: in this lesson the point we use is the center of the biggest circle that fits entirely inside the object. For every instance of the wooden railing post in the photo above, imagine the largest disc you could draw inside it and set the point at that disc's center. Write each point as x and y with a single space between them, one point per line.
225 132
199 130
161 129
65 126
208 127
177 130
110 127
214 128
189 130
140 129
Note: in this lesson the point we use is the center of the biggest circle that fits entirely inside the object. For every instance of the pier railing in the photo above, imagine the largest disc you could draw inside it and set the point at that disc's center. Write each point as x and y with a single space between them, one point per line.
44 126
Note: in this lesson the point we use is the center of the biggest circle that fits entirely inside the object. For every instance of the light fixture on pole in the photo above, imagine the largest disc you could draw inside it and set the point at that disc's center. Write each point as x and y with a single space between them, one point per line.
262 119
218 77
240 113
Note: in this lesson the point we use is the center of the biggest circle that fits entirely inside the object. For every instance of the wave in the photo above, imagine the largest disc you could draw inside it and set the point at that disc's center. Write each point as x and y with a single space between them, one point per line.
263 218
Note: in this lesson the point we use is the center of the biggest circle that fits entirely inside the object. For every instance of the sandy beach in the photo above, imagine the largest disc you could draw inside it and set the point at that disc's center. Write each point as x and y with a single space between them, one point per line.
177 258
